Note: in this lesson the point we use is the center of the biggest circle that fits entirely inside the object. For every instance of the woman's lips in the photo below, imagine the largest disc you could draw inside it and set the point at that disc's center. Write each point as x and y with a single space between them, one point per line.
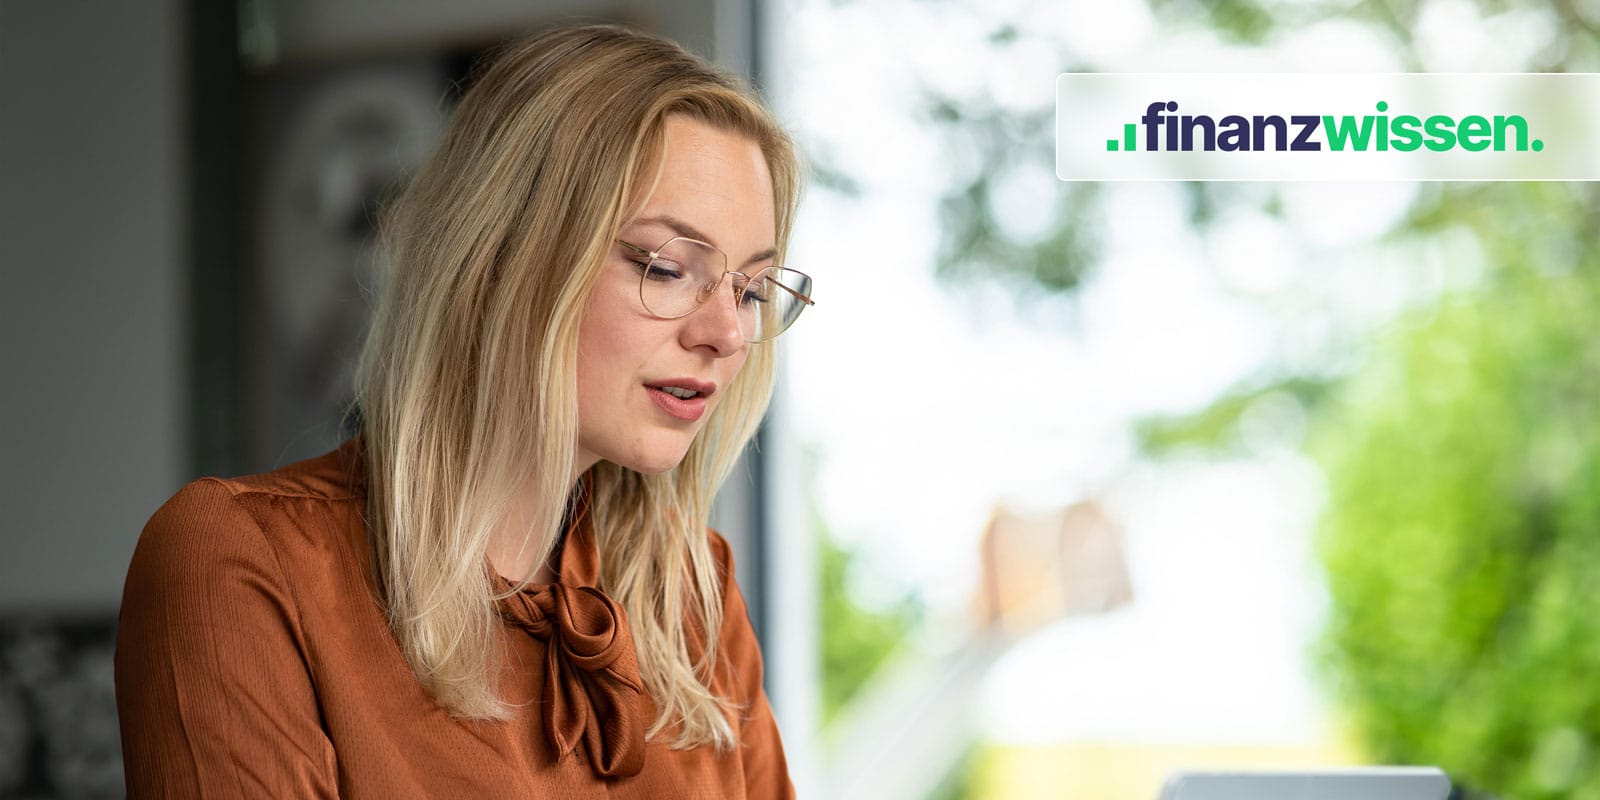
688 410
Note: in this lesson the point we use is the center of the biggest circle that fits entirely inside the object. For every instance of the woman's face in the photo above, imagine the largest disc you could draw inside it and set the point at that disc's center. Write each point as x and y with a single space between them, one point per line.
714 187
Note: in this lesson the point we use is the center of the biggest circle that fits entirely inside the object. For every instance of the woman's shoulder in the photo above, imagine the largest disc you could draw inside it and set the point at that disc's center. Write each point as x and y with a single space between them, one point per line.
239 594
215 525
334 475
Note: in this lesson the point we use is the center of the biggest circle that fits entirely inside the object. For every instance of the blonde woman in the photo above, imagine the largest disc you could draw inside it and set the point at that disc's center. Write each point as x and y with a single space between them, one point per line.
504 586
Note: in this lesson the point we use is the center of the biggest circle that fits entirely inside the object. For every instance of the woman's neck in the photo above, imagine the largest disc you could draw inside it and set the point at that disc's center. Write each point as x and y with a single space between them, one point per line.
512 551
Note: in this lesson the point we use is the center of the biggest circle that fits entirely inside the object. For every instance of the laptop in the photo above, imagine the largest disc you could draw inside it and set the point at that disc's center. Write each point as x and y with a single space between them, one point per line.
1356 783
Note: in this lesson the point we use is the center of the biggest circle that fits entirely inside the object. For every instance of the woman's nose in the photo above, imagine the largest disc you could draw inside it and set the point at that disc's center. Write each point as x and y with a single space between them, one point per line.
715 324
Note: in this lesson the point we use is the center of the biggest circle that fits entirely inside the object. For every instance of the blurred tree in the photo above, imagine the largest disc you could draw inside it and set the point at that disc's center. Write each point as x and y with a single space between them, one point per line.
1461 442
856 639
1462 528
1461 446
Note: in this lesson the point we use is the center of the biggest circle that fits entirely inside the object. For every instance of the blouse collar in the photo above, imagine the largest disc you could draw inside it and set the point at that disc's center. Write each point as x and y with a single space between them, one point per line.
593 691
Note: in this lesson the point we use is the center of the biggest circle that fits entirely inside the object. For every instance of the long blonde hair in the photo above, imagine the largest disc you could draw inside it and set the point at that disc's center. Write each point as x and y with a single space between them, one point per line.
466 387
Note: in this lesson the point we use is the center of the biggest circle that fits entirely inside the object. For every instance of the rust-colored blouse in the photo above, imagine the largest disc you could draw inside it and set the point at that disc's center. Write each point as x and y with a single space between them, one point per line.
253 660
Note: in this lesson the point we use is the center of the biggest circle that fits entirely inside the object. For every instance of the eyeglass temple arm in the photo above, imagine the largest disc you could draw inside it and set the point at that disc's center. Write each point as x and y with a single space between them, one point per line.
636 248
804 299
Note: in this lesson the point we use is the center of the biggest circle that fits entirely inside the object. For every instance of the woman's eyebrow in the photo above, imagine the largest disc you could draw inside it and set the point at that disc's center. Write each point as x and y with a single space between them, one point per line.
682 228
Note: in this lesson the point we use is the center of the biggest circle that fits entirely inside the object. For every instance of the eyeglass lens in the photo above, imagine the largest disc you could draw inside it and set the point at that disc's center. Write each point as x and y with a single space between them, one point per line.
685 273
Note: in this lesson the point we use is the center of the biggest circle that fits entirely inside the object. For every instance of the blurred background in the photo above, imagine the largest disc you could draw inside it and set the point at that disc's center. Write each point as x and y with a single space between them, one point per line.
1067 485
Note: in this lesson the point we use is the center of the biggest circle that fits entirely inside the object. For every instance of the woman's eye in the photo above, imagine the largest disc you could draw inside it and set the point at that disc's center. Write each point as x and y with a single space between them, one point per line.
659 271
754 294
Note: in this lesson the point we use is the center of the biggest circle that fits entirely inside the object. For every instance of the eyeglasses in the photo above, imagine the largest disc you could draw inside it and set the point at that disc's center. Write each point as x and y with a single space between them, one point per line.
679 276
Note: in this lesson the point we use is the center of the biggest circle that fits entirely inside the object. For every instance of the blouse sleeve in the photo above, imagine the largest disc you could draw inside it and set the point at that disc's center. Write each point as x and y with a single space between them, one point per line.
766 771
213 690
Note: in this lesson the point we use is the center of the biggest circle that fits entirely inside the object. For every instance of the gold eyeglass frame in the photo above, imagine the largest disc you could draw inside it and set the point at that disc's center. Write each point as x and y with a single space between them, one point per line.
707 291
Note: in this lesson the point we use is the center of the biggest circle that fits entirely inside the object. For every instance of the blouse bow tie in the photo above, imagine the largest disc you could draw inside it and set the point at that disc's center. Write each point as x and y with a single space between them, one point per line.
592 687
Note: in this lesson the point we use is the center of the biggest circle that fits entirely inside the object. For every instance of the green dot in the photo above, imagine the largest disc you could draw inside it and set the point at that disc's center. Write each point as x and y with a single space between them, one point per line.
1538 144
1111 145
1383 105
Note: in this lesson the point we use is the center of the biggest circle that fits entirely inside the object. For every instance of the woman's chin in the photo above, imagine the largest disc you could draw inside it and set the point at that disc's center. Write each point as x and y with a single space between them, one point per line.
653 463
653 468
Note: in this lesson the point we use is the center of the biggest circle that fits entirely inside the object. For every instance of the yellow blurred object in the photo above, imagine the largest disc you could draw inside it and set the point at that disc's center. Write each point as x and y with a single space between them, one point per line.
1129 771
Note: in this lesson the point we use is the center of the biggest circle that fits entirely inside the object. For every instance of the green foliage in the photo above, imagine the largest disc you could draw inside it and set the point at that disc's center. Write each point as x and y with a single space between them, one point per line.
973 240
1461 535
974 246
1215 429
1241 21
855 640
960 781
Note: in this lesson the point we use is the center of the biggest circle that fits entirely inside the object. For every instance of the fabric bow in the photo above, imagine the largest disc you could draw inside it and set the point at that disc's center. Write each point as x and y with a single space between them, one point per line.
592 688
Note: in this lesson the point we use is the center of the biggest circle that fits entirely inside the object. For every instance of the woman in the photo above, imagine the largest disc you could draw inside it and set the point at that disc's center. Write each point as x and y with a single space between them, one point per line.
504 586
